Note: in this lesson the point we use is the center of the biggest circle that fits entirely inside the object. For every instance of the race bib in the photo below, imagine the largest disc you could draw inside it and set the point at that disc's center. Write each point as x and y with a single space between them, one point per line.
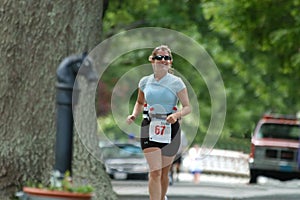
160 131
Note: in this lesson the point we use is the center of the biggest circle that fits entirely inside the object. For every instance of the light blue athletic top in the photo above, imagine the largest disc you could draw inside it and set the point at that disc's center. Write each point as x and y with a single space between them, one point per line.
162 93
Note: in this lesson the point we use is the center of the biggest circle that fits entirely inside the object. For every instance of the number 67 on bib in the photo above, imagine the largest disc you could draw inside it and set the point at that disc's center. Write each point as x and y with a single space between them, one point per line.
160 131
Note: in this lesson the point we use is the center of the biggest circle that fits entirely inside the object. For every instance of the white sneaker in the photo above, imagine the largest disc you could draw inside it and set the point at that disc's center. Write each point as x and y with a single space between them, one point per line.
166 198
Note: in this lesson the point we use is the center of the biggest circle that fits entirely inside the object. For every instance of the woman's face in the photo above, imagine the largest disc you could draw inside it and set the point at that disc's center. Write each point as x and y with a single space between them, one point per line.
163 65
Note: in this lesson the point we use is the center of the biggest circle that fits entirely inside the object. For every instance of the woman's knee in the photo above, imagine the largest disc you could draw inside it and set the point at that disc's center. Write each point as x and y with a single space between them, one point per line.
156 174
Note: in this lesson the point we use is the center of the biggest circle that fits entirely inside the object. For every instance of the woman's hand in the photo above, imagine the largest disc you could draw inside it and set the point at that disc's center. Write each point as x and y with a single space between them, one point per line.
138 107
173 118
130 119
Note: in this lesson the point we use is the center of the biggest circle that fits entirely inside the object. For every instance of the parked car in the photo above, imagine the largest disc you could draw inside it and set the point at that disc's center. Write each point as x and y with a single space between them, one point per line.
275 148
124 161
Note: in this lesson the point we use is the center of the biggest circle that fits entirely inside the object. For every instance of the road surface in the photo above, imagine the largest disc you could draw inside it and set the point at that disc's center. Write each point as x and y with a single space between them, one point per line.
214 187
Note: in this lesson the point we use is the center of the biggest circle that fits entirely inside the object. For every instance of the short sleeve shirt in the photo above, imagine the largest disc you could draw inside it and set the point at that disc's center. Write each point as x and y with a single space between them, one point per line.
162 92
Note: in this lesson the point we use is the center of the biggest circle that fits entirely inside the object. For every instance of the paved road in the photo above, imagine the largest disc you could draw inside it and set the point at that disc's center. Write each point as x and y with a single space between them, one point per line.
212 188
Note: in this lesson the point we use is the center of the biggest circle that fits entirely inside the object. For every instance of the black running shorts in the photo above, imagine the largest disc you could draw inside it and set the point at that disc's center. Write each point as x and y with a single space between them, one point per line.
167 149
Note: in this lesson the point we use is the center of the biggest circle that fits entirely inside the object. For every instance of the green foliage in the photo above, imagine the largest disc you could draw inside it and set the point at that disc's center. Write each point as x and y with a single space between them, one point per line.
111 130
66 185
264 34
232 143
255 44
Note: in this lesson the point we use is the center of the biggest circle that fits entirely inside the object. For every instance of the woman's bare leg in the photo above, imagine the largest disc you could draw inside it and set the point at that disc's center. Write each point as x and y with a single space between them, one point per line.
154 159
167 163
197 177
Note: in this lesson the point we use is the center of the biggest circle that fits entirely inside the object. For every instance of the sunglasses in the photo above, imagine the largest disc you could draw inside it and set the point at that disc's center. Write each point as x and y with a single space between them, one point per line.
162 57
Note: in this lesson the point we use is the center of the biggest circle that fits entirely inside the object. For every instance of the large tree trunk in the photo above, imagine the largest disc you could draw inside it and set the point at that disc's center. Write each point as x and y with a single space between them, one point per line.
35 37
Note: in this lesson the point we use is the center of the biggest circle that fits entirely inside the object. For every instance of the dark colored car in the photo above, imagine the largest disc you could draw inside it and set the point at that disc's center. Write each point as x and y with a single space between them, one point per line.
275 148
124 161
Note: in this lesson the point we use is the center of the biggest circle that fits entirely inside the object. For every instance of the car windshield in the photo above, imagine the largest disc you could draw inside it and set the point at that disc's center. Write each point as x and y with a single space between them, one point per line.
280 131
123 151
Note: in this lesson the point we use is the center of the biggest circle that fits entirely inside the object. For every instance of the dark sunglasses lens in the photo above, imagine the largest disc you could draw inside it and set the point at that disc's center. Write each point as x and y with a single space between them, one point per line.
162 57
167 57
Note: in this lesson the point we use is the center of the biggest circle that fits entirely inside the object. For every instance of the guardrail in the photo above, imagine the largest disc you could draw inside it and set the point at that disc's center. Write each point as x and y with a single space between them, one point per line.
220 161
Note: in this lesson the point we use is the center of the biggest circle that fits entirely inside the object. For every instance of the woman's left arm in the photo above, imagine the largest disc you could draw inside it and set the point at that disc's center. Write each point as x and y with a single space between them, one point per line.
186 109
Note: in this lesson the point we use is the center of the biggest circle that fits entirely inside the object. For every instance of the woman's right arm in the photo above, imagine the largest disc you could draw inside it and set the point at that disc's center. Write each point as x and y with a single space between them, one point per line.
138 107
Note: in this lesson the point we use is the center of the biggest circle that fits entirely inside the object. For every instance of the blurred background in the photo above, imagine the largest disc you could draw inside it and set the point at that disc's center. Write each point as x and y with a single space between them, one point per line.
253 43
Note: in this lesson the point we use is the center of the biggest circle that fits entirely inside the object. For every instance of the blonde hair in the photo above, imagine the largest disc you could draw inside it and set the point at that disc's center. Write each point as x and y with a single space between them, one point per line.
162 48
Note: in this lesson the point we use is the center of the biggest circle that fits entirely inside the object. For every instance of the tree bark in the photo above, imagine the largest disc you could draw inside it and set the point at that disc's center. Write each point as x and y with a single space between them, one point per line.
35 37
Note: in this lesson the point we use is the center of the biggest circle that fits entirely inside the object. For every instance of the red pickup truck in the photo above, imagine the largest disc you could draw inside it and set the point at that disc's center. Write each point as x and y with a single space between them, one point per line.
275 148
